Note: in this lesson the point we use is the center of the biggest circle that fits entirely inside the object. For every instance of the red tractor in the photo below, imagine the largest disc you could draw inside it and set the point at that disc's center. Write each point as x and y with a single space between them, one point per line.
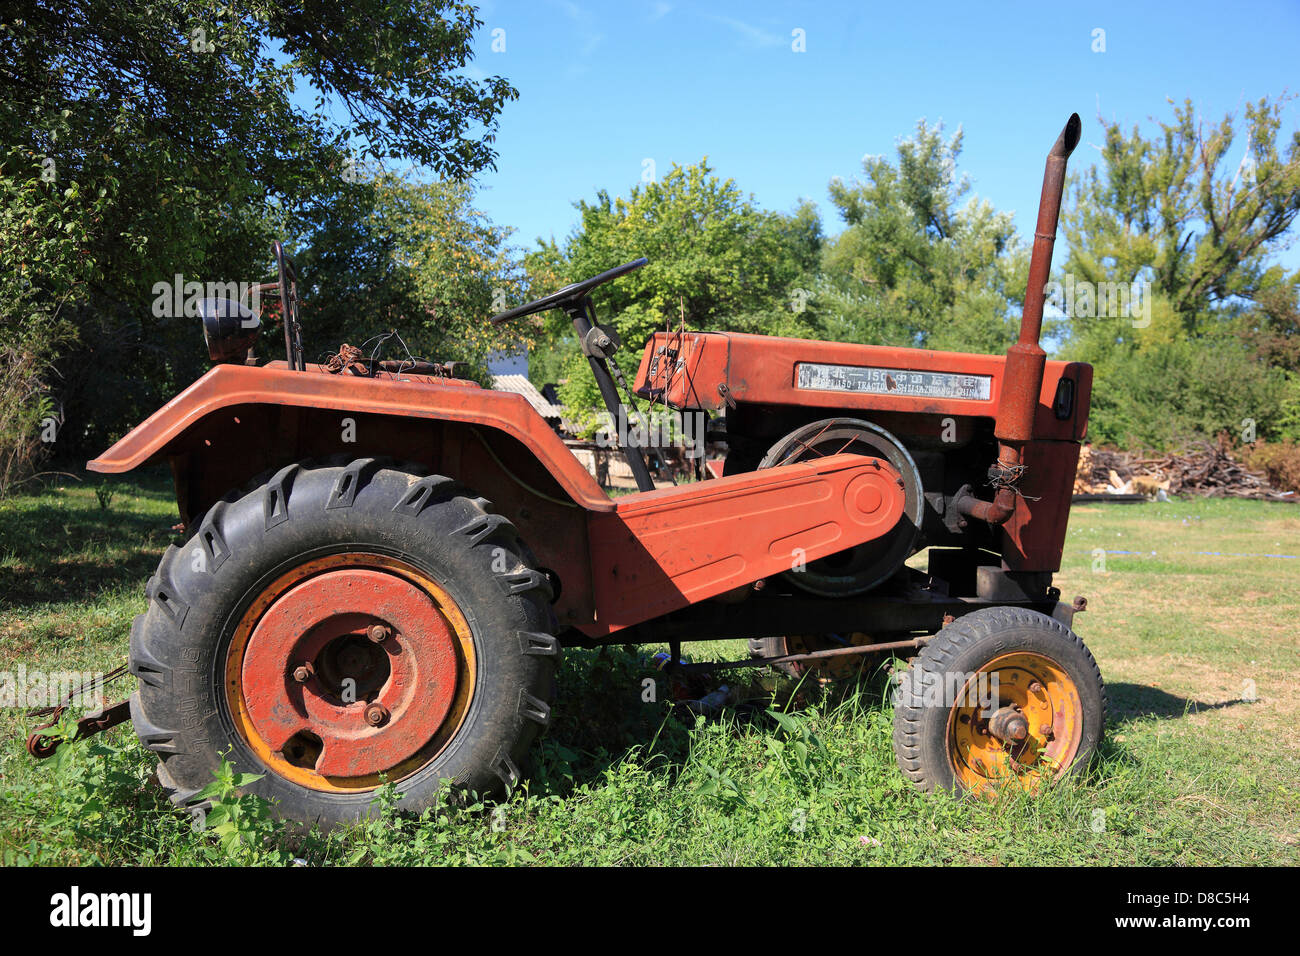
382 563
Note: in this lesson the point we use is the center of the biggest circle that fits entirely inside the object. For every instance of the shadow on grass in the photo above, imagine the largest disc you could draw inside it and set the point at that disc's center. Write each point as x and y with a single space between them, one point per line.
62 552
601 719
602 716
1139 700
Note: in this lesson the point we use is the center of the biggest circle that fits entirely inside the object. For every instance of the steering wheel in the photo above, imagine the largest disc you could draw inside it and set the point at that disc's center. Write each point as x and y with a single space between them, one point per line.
597 344
570 293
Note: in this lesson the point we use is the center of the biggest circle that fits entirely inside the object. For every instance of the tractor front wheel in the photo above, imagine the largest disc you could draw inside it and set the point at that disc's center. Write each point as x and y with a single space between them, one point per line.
1000 695
339 627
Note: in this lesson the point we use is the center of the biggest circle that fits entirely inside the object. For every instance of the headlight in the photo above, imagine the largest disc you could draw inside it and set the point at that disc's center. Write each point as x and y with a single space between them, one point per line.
230 329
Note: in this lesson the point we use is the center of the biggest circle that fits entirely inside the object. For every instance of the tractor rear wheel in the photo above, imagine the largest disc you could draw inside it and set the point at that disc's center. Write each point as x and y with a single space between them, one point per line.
1003 694
342 626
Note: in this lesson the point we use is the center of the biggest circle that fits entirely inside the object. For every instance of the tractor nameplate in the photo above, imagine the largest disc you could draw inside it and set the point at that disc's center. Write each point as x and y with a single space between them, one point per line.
896 381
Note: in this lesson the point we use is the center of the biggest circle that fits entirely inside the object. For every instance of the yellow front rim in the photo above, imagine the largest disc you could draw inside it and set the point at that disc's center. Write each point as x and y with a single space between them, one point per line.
1022 685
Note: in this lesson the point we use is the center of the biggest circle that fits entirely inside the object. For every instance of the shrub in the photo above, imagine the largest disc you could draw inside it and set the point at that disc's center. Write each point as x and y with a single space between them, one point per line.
26 415
1279 460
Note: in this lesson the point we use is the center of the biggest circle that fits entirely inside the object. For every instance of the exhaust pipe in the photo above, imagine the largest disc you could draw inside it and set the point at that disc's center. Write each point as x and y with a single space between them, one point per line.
1022 378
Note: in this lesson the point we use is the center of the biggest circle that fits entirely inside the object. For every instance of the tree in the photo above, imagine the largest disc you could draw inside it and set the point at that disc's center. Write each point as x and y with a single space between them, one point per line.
714 256
1220 330
418 258
1172 210
915 265
174 127
717 262
1166 392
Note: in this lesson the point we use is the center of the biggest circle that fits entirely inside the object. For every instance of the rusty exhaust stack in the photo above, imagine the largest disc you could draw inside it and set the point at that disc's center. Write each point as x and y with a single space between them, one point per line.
1022 378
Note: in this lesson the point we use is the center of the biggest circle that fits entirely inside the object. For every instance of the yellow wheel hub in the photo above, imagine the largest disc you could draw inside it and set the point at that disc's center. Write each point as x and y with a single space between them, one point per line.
1019 718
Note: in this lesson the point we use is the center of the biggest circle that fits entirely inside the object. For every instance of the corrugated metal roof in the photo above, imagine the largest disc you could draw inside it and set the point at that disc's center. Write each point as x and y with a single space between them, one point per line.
520 385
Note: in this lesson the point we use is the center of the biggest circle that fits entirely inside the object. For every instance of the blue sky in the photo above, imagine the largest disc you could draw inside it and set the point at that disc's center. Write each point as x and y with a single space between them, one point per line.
605 86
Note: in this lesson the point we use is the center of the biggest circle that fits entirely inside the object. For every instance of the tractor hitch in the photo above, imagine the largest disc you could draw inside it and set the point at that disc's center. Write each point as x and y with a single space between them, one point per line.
41 745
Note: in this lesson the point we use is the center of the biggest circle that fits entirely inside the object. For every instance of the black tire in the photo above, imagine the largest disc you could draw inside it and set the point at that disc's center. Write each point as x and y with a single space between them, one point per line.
922 742
303 513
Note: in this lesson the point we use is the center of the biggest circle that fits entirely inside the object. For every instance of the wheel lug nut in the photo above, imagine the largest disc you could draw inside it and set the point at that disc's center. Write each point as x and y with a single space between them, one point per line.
378 633
303 672
376 714
1035 688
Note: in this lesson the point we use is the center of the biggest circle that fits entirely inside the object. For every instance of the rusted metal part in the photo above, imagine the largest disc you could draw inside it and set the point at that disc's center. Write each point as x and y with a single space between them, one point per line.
1022 379
231 386
663 550
56 710
913 643
761 370
350 670
766 614
364 707
288 288
1009 723
1025 359
619 562
41 745
347 357
1080 604
1033 735
1034 535
609 379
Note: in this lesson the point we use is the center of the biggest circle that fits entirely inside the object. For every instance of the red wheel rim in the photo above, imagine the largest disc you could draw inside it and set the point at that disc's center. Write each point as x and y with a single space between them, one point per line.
331 706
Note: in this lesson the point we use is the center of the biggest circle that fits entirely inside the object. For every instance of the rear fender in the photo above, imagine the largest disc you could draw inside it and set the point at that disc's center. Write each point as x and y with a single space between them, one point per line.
236 423
616 563
194 419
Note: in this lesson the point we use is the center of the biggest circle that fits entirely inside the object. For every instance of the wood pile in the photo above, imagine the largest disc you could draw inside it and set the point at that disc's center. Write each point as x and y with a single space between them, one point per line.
1203 469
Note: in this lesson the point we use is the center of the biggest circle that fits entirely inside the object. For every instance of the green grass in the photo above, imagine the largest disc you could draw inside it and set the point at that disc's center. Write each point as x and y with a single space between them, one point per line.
1190 773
